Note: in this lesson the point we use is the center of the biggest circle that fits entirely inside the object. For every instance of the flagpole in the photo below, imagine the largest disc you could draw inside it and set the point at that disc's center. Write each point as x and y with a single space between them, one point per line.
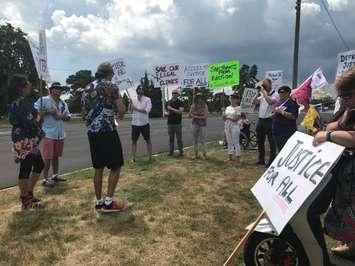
296 44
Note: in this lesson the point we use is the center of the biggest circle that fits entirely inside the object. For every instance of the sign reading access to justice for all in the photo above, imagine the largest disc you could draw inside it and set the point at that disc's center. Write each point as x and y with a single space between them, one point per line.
167 75
296 172
223 74
194 76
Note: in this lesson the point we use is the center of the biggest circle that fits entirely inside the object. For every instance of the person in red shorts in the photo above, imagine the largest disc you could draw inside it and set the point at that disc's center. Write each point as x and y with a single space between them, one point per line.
55 112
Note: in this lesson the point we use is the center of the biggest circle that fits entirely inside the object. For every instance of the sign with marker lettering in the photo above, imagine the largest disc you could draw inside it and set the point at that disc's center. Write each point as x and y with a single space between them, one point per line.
120 77
167 75
194 76
246 103
346 61
292 177
276 78
223 74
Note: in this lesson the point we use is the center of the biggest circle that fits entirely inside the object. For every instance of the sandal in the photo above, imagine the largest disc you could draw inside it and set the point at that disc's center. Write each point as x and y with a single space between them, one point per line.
29 202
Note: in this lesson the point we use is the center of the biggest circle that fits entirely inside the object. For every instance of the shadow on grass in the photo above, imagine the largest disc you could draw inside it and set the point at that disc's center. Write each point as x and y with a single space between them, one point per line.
125 223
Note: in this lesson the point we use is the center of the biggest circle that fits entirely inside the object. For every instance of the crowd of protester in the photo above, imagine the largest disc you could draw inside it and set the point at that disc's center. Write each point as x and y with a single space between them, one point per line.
102 104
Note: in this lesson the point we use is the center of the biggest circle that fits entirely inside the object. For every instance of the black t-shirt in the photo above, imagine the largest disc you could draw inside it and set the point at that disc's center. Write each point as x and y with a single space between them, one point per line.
174 118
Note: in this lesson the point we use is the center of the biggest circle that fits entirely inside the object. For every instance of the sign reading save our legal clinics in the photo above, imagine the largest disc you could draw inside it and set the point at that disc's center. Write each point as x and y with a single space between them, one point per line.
296 172
223 74
194 76
346 61
167 75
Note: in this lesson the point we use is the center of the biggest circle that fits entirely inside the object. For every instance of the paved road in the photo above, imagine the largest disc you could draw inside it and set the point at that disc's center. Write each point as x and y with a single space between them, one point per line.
76 150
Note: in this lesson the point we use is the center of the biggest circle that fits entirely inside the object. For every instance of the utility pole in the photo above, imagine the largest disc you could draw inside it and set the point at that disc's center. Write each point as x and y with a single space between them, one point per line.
296 44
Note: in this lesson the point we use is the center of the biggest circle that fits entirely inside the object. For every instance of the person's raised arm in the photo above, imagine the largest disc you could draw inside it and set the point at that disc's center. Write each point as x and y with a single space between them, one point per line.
268 98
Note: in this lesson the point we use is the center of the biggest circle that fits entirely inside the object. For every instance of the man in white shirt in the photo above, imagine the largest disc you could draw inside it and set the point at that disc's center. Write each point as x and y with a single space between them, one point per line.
140 108
267 100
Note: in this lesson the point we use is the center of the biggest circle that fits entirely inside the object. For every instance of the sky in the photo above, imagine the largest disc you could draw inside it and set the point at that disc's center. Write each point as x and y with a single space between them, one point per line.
83 33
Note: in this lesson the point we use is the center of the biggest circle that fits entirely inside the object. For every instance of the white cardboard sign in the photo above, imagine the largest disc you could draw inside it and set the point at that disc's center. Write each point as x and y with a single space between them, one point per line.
291 178
246 103
194 76
120 77
276 78
346 61
39 53
168 75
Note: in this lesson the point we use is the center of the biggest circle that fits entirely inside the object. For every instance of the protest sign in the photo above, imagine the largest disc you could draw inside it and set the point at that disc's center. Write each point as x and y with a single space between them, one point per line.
346 61
291 178
246 103
167 75
223 74
39 53
194 76
120 77
276 78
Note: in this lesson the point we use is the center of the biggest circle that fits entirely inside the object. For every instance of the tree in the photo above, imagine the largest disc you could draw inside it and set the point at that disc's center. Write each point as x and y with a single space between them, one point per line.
155 94
15 57
247 78
76 83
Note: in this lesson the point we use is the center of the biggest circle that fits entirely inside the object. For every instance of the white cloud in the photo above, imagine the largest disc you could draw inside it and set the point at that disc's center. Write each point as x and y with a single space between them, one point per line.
125 19
338 5
310 8
227 7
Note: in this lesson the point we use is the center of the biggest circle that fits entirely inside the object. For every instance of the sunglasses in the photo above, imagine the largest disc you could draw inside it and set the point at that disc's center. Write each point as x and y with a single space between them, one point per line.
346 96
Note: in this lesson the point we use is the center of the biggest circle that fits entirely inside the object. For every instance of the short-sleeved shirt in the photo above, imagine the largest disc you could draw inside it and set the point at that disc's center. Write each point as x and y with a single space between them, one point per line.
139 118
26 130
265 109
174 118
99 102
232 112
53 128
280 124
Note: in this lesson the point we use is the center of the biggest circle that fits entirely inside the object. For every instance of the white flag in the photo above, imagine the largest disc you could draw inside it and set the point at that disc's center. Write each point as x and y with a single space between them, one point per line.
318 79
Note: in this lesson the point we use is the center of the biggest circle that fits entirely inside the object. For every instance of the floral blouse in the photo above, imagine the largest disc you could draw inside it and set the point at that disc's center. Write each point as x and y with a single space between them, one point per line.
26 130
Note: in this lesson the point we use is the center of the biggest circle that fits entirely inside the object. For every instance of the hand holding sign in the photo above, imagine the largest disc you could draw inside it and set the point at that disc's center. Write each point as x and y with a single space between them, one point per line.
296 172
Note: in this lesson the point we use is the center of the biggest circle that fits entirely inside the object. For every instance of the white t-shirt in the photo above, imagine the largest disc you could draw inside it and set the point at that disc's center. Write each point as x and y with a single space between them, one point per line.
138 118
232 112
265 109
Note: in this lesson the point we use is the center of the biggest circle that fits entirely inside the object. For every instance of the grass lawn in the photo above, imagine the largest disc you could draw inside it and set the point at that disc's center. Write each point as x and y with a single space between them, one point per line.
183 212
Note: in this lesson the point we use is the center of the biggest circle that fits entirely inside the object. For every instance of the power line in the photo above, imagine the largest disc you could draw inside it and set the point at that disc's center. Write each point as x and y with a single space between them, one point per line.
335 26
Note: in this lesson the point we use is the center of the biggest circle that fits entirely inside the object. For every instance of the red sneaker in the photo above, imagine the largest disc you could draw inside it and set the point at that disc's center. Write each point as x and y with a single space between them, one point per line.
114 207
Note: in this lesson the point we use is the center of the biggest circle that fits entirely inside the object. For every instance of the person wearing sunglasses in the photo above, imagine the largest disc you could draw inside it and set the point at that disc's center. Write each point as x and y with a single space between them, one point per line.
339 221
26 135
284 117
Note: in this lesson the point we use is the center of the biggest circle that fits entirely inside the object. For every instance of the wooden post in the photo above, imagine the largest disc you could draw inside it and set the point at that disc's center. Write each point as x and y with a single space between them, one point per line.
163 100
245 238
193 95
40 92
222 101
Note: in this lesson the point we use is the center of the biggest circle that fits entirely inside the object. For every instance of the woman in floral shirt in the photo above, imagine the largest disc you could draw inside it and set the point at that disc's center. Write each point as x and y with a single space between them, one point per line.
26 135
